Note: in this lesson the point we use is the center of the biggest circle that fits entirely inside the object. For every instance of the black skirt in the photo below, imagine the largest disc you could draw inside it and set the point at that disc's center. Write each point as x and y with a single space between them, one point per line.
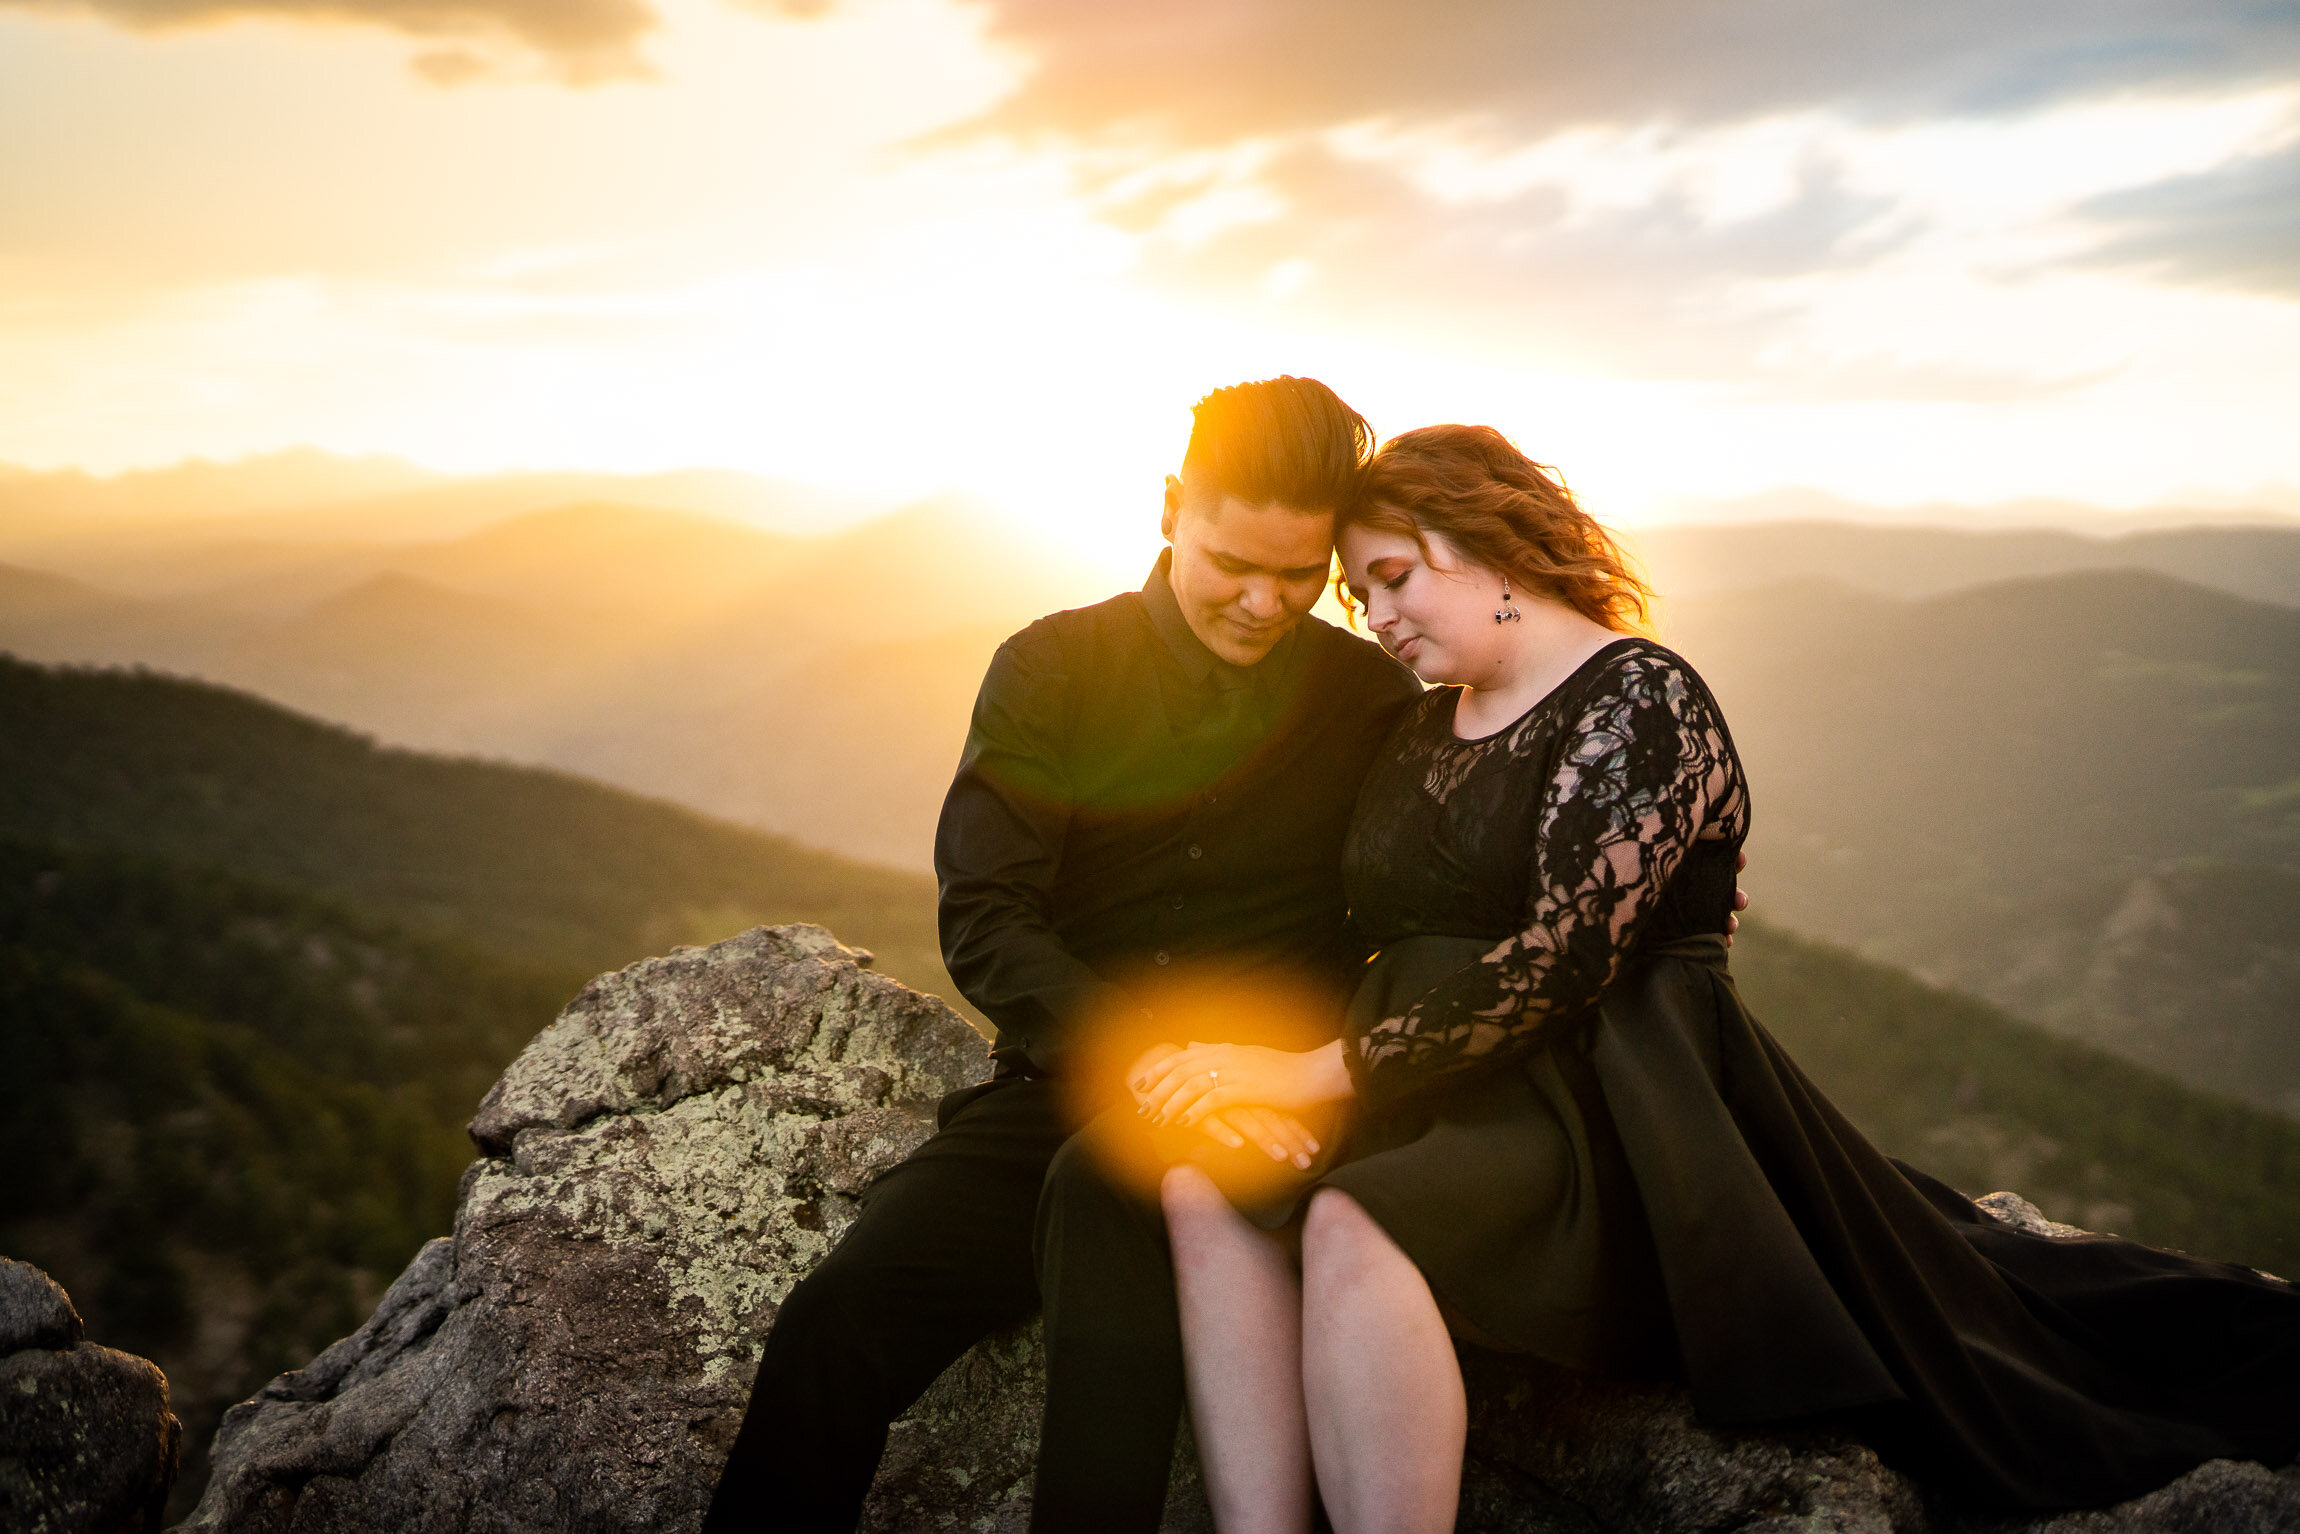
1662 1191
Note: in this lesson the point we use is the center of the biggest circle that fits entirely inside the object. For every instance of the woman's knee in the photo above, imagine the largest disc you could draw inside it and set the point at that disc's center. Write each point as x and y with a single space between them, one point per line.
1189 1197
1343 1246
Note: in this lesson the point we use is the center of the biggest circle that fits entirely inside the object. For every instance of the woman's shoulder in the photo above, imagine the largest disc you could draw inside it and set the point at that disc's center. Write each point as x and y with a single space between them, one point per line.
1639 666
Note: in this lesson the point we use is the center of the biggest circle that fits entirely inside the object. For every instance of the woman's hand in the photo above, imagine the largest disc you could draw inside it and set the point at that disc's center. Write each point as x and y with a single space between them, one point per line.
1278 1135
1187 1085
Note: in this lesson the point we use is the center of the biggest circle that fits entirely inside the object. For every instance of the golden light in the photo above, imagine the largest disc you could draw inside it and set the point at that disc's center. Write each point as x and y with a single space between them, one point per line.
765 258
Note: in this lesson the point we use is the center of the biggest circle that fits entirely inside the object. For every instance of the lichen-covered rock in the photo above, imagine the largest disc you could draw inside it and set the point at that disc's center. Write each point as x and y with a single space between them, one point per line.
87 1443
680 1147
2020 1214
658 1167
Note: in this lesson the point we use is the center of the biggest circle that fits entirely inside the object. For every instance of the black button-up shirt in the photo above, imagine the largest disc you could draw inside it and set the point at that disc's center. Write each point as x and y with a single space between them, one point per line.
1130 807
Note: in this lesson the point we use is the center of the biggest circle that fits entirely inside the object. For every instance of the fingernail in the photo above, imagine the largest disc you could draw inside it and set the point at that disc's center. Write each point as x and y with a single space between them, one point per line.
1276 1153
1303 1162
1314 1147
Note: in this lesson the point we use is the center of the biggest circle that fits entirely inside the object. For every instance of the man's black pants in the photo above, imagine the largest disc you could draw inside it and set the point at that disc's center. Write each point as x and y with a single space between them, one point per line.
1004 1211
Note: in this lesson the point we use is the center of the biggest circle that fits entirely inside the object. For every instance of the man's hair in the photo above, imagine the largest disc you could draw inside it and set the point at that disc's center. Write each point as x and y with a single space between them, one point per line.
1286 440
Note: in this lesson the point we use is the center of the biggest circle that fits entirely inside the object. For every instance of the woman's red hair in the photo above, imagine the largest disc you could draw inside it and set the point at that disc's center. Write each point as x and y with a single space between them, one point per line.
1471 486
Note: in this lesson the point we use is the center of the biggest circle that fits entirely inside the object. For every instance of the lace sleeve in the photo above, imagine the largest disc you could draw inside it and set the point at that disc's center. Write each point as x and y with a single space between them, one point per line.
1646 766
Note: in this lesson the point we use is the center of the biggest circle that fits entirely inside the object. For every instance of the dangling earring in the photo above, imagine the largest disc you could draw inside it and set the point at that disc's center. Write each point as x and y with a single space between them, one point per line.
1506 613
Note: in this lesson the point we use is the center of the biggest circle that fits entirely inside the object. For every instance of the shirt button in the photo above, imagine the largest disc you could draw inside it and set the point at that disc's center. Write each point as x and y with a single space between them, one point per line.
1164 957
1197 851
1179 902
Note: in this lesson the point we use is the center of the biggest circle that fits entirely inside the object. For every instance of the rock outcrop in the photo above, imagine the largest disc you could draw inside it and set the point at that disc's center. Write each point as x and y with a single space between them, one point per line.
671 1155
87 1443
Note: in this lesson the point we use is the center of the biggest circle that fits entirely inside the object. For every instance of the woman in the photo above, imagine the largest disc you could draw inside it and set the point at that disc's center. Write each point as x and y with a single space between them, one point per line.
1572 1141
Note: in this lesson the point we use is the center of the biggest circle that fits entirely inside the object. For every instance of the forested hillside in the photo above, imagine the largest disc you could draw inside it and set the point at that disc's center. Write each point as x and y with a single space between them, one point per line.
515 860
232 1109
2076 795
255 973
1985 1101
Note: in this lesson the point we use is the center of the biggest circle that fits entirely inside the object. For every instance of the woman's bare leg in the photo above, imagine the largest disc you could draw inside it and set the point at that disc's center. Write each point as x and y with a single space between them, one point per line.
1242 1348
1388 1415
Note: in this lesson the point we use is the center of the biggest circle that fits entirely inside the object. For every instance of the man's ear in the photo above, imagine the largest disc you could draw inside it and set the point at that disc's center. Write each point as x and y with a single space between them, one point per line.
1173 512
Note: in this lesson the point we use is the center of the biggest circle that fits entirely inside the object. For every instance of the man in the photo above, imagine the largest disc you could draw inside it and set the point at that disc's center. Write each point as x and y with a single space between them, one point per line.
1153 787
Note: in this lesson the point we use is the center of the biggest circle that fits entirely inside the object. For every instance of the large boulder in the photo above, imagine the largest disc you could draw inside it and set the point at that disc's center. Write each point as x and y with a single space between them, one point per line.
670 1156
87 1443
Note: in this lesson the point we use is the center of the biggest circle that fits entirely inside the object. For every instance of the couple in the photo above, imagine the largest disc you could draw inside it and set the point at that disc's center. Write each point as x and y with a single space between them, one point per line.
1538 1120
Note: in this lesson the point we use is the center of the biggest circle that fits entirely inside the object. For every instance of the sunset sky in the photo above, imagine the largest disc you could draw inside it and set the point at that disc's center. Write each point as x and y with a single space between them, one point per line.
1965 250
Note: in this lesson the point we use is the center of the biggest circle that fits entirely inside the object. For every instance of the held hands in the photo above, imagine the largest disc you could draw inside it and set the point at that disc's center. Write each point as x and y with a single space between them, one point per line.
1190 1085
1278 1135
1239 1092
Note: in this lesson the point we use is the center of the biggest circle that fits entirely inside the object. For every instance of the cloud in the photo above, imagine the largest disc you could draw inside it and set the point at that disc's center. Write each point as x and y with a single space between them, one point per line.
1662 183
1211 70
1808 256
2235 227
1640 283
582 42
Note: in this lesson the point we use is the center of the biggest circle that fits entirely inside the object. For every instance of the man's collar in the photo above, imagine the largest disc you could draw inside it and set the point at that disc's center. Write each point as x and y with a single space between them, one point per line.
1201 665
1198 662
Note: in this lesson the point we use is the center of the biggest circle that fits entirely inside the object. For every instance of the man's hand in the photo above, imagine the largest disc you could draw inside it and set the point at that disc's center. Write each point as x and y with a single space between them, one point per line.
1280 1136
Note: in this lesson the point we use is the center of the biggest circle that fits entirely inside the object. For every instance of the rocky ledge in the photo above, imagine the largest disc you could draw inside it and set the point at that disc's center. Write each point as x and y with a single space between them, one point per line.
87 1443
689 1137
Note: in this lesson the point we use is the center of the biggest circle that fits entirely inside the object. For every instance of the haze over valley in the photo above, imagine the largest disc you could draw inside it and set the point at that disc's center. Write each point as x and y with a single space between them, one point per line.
2060 771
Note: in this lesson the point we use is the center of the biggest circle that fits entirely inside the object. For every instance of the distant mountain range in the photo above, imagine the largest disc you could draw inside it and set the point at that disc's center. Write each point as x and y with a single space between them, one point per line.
2261 562
817 687
309 498
256 972
2052 769
2262 505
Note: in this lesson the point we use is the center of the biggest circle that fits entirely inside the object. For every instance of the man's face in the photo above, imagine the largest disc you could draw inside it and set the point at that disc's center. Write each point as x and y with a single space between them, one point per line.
1244 574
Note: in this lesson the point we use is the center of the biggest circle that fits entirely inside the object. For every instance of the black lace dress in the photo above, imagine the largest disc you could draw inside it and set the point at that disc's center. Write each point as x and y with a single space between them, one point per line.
1592 1151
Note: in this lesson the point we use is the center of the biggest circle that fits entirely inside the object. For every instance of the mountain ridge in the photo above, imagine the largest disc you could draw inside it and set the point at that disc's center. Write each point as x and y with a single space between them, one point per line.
1931 770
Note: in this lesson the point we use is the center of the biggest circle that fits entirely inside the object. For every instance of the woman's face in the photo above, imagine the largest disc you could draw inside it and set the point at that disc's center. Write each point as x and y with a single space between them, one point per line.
1433 610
